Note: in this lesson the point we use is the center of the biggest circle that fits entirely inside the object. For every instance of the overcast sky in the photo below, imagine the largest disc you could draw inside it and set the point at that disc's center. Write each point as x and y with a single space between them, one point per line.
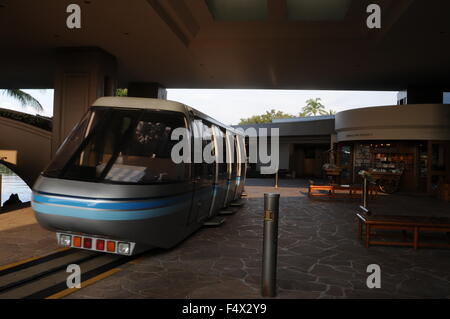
229 106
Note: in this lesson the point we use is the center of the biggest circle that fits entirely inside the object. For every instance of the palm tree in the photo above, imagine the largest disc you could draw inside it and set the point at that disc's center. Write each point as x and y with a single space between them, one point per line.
314 107
331 112
24 99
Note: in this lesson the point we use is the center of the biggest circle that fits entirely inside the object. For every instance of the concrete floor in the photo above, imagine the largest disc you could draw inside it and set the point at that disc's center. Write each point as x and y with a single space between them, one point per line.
319 254
21 237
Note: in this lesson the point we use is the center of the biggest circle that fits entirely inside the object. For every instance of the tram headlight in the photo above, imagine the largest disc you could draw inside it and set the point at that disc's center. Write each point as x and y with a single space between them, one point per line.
65 240
123 248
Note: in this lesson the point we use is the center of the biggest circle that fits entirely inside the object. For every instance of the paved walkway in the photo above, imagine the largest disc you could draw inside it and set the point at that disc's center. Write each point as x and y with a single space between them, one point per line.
21 237
319 255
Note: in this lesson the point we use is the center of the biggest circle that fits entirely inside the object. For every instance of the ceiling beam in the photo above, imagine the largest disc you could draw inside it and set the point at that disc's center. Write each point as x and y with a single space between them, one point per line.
177 17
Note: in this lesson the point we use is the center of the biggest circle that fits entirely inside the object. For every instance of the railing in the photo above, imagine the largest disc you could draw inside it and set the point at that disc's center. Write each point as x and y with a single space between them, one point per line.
34 120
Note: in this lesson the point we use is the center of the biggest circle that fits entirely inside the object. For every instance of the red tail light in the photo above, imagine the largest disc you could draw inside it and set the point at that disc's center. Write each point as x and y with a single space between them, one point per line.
96 244
87 243
100 244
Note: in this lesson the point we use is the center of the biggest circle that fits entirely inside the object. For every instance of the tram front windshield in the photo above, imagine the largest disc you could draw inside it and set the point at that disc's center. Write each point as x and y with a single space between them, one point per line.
117 145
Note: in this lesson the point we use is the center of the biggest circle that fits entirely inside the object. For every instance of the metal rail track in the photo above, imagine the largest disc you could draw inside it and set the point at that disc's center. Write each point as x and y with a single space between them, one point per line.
46 276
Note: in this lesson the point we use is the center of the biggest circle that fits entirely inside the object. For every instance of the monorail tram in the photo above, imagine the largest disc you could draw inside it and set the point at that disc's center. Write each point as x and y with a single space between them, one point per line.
114 187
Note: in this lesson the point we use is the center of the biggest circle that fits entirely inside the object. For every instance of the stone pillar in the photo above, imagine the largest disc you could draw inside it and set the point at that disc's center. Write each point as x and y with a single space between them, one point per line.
425 95
149 90
82 76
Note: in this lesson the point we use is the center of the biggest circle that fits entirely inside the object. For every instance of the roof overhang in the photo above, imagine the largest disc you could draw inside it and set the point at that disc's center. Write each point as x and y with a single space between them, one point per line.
184 44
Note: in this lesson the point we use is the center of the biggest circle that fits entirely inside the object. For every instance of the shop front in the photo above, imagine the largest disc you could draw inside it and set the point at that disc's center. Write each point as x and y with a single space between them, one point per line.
396 165
405 148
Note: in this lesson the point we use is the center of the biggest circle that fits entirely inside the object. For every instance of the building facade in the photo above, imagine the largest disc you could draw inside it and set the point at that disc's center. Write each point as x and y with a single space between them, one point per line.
304 145
408 143
412 141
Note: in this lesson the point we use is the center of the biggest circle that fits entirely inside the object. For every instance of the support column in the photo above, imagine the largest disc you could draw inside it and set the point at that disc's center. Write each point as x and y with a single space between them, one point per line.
149 90
82 76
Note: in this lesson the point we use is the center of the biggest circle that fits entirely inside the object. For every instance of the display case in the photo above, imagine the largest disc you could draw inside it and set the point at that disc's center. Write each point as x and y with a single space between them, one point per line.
386 158
393 163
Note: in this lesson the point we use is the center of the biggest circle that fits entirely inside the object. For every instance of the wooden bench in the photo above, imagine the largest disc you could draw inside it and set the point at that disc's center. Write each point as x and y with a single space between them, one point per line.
403 223
350 191
312 191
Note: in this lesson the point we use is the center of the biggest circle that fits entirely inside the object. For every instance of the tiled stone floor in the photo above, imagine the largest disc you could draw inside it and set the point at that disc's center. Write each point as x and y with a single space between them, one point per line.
21 237
319 255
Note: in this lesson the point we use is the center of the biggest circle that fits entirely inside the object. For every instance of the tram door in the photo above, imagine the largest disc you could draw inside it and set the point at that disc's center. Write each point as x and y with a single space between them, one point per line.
220 171
232 167
238 167
241 165
203 173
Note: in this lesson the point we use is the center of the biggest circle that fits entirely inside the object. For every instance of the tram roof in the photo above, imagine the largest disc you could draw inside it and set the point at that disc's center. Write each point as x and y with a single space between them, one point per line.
140 103
149 103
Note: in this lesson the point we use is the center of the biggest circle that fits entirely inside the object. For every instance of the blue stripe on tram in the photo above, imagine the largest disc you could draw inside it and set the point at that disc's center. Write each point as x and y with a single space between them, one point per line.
109 210
107 214
95 209
103 204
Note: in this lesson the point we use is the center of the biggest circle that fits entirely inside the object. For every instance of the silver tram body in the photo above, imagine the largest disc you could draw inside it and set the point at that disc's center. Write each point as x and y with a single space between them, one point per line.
113 177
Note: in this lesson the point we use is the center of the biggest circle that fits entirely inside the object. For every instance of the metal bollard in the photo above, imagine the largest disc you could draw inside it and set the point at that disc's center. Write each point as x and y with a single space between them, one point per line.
270 244
365 193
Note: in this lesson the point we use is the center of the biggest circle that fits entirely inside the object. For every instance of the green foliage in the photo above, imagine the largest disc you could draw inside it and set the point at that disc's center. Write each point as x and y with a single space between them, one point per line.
302 114
40 122
24 99
122 92
331 112
266 118
314 107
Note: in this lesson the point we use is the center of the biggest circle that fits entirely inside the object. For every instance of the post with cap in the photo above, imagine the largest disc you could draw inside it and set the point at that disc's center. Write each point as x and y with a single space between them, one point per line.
365 192
270 244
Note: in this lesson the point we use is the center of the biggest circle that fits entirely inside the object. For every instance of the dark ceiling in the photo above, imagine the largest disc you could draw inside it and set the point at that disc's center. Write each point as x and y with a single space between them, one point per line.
277 44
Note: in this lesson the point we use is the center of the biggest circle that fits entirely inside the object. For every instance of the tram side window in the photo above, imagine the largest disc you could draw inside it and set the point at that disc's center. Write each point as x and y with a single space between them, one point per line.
203 132
198 140
223 156
229 151
236 145
208 140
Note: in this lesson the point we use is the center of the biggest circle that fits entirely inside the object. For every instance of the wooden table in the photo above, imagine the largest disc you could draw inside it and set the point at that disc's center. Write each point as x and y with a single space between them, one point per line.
388 182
